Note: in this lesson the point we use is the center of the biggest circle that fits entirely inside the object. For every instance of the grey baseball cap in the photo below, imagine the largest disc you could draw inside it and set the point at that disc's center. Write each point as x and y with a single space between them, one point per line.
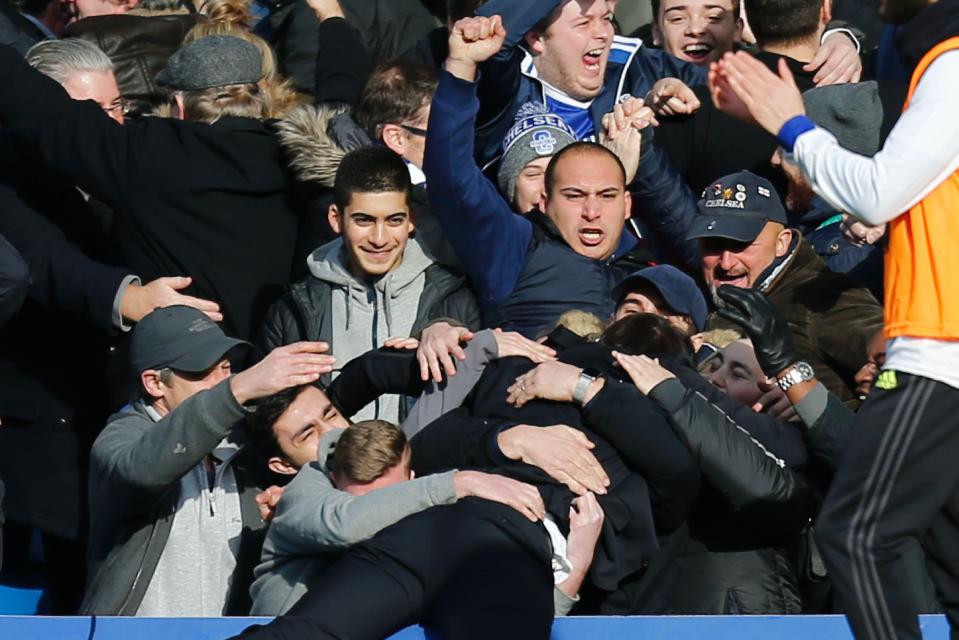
180 338
212 61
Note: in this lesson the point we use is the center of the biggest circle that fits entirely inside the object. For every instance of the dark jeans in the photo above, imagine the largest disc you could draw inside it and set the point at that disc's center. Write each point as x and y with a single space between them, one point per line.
475 569
896 487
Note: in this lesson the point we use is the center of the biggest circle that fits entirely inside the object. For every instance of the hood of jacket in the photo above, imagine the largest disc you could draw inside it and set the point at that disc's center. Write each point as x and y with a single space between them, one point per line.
315 139
329 263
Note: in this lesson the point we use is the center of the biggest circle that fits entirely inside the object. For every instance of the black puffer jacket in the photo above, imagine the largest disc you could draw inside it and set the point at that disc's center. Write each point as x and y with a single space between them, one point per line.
748 521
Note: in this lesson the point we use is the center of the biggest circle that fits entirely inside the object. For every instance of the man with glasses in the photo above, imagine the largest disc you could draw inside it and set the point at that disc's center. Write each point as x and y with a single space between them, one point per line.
394 108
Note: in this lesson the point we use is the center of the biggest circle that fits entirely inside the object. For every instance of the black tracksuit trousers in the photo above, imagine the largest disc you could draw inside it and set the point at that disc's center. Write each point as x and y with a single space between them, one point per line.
896 487
476 569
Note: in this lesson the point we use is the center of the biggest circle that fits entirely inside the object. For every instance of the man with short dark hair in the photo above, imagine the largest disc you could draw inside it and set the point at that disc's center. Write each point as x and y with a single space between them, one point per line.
376 281
394 108
172 495
745 242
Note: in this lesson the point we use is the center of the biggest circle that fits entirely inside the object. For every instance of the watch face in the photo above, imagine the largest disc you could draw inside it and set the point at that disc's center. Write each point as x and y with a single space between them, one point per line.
805 371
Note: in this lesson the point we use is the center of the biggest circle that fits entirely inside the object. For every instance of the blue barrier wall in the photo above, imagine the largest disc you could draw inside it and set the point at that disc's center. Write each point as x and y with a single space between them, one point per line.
584 628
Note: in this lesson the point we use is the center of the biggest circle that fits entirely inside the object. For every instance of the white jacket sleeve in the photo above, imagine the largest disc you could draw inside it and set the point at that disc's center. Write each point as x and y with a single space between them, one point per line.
922 150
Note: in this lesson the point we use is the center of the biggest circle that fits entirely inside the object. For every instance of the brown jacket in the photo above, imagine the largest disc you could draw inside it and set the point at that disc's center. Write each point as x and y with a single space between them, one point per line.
831 319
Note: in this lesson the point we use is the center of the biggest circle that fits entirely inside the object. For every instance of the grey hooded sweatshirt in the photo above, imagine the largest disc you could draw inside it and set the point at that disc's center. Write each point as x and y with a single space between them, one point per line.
366 314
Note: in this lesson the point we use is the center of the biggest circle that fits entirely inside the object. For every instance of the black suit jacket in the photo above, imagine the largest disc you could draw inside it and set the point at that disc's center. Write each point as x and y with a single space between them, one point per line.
210 201
54 354
654 480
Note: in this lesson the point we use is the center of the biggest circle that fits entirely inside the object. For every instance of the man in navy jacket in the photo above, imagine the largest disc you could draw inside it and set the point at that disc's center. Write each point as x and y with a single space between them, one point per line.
526 270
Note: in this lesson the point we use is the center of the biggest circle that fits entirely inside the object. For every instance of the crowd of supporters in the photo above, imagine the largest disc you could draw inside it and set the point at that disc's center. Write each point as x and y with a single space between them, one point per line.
370 313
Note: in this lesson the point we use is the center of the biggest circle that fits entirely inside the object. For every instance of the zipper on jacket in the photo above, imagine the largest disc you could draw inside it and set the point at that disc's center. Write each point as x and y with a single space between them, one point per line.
136 578
371 297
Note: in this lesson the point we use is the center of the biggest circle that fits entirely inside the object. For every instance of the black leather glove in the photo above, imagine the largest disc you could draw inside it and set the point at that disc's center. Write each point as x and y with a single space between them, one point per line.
764 325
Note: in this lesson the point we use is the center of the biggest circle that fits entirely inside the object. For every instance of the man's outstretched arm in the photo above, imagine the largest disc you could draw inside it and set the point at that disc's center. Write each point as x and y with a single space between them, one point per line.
489 238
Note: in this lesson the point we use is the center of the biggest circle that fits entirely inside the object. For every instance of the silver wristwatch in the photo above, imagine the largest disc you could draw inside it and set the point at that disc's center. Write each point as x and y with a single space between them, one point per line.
586 378
799 372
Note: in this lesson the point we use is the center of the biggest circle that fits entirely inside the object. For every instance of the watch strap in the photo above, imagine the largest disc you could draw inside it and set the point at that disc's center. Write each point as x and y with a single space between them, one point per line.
586 378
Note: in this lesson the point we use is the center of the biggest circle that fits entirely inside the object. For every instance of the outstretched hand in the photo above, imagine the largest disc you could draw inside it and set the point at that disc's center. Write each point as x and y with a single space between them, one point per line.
511 343
836 61
745 88
139 300
671 97
645 372
523 497
439 348
621 132
284 367
564 453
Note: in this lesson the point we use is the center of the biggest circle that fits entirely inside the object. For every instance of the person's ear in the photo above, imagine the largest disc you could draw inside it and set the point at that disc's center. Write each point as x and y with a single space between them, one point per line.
394 138
628 203
410 218
150 379
657 35
825 12
412 475
333 216
281 466
534 41
783 241
738 33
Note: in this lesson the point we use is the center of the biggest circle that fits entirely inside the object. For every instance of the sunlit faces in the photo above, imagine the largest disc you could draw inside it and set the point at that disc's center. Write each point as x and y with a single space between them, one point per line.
799 196
531 185
375 228
99 86
589 202
299 429
740 264
736 371
699 31
572 53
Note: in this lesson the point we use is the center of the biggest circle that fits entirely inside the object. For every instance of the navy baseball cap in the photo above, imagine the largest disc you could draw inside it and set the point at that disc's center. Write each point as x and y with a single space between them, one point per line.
737 207
180 338
677 289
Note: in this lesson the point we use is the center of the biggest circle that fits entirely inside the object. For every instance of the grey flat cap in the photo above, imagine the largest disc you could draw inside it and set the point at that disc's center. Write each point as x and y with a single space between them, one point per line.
213 61
851 112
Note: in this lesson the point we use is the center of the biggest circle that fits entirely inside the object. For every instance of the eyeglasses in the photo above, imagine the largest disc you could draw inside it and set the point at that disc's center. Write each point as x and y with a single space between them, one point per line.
117 107
416 131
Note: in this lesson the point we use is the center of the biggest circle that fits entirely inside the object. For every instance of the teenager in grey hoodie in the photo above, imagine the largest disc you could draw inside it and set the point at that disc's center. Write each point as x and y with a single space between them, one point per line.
376 281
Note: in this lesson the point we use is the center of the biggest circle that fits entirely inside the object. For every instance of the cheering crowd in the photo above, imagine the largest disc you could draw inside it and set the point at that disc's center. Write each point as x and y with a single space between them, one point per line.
371 313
